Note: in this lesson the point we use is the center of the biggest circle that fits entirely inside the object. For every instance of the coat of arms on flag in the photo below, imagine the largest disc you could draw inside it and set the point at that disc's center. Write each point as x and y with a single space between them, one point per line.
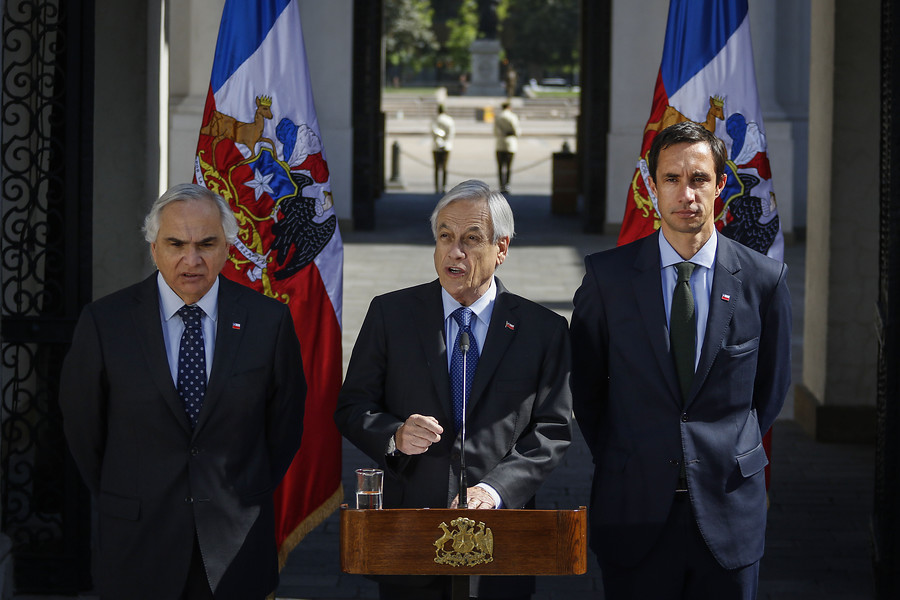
707 76
260 148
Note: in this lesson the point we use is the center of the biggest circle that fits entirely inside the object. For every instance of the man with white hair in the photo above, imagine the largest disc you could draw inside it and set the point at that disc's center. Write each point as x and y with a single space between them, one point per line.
404 404
182 400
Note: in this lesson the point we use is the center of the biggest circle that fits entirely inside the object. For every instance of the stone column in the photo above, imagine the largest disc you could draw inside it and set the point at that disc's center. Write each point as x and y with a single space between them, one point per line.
127 135
836 397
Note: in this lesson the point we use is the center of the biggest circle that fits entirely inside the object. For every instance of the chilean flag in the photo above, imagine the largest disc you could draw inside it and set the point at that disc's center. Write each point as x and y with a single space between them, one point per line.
707 76
260 149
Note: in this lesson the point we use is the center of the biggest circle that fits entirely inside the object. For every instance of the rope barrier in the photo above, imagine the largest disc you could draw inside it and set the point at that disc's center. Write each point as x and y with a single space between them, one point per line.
527 167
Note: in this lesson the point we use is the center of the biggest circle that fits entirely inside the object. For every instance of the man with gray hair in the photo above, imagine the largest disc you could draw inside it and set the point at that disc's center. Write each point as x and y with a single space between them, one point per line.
182 399
403 399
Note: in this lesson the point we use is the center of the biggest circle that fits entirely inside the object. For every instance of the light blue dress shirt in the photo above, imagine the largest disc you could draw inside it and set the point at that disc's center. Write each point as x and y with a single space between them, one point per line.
701 282
173 326
482 308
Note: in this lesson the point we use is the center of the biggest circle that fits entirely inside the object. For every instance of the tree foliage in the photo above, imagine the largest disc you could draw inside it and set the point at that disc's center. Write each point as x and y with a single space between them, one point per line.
461 32
409 39
540 37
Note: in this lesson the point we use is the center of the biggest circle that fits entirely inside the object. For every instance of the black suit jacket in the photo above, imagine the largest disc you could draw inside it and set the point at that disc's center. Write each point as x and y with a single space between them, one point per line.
157 483
519 410
628 402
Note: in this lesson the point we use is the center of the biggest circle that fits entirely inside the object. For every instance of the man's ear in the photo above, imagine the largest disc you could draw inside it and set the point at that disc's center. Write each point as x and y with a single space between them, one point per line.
503 244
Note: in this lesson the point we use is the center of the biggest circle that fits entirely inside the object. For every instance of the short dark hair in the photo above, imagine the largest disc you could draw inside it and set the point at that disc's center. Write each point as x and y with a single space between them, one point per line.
691 133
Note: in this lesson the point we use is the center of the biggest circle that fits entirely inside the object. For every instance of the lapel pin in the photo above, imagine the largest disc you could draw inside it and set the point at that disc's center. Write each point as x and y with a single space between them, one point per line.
235 325
510 326
726 297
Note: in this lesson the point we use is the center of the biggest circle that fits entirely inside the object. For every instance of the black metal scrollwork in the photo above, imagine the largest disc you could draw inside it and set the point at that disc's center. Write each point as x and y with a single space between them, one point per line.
44 509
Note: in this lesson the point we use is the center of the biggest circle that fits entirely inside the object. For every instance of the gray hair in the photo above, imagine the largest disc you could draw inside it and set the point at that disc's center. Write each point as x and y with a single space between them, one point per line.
502 221
189 192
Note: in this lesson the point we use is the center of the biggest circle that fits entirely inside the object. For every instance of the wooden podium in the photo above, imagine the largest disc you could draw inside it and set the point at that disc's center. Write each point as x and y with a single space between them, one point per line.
461 542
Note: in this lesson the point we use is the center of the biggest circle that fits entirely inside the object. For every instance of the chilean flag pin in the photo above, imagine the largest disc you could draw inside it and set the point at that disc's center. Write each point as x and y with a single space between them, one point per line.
510 326
726 297
235 325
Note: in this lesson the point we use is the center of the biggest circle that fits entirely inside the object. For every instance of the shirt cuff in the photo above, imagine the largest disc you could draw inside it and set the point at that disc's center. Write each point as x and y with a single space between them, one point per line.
498 502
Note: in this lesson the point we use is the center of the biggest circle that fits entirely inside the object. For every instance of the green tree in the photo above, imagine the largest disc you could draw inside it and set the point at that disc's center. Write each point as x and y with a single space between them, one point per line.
410 42
540 36
461 32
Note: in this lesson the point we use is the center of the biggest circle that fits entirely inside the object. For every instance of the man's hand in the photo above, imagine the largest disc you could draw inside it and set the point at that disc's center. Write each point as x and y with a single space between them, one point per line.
417 434
478 498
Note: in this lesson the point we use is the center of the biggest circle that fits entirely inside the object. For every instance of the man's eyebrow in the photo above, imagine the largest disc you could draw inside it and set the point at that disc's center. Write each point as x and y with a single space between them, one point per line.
205 240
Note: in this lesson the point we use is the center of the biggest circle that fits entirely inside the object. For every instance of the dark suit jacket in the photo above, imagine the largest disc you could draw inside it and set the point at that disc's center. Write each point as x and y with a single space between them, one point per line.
156 482
519 411
629 406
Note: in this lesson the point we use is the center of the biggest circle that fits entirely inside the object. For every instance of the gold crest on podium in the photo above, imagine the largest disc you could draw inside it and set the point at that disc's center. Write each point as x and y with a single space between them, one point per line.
470 544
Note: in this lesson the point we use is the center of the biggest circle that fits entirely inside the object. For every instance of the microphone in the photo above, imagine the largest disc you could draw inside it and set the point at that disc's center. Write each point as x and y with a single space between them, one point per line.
463 482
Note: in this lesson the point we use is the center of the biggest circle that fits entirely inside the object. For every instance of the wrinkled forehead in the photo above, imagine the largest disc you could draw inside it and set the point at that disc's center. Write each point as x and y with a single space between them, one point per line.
466 214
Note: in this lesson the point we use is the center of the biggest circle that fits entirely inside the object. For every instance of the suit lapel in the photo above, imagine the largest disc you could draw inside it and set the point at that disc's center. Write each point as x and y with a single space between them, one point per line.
726 284
647 285
428 317
228 341
150 338
497 341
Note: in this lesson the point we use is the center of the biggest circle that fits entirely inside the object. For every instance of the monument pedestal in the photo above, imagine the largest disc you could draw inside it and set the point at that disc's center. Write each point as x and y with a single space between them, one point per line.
485 69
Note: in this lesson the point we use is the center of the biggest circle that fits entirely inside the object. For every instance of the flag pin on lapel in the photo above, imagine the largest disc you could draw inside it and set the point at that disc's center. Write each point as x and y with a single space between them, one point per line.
510 326
726 297
235 325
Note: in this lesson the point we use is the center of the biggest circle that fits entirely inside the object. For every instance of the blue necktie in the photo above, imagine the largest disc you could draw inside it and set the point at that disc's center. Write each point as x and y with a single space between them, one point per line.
463 317
192 363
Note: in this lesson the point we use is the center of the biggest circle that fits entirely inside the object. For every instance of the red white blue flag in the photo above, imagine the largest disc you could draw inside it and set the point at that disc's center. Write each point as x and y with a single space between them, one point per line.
260 149
707 76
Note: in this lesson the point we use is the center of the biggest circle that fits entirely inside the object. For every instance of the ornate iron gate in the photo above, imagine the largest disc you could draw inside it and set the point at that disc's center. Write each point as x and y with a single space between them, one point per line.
886 517
46 107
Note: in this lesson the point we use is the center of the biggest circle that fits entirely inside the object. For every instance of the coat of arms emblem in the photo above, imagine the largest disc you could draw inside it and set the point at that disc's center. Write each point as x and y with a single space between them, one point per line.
470 544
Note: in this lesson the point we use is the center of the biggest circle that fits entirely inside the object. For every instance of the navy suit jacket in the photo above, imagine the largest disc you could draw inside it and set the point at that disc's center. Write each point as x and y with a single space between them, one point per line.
629 405
519 409
158 483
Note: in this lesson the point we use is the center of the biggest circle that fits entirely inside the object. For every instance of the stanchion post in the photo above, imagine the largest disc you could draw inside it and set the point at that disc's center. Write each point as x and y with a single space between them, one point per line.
395 161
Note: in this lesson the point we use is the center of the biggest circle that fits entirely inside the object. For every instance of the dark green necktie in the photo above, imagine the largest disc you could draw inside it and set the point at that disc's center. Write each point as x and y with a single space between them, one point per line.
683 327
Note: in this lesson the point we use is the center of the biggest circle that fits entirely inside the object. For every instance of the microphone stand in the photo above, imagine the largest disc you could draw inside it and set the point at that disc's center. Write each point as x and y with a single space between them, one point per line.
463 482
460 583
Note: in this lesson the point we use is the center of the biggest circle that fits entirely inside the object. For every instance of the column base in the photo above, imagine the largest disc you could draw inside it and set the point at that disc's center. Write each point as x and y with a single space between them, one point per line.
842 424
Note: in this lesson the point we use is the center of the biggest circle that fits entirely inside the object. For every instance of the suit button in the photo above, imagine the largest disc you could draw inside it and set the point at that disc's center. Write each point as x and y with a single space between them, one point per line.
189 500
684 417
195 451
674 462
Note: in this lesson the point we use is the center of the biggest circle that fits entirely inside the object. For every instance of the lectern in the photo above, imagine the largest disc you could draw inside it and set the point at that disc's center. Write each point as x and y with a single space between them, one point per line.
460 542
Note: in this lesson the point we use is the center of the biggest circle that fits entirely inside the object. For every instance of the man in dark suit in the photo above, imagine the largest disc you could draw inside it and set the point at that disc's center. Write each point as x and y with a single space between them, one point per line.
681 345
182 459
397 404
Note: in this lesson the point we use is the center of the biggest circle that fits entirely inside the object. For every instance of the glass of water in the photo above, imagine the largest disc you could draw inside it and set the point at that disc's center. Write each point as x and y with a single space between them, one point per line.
369 487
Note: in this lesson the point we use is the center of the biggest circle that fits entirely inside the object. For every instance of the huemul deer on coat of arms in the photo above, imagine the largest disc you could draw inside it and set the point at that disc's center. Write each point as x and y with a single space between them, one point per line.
222 126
